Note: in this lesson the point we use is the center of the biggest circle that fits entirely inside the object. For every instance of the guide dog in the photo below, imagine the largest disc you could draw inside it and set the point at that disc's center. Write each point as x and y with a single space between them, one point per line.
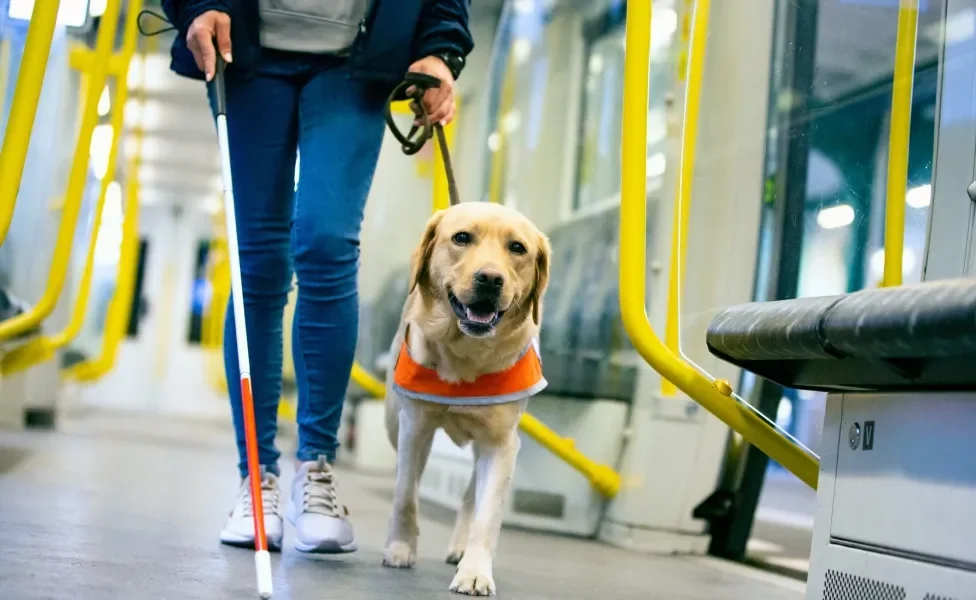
467 361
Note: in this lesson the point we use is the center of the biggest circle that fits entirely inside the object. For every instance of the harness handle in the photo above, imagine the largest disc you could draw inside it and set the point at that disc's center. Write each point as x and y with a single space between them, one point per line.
412 88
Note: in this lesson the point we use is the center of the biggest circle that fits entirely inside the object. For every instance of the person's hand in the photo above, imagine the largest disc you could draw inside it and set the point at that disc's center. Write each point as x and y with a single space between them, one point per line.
200 39
439 101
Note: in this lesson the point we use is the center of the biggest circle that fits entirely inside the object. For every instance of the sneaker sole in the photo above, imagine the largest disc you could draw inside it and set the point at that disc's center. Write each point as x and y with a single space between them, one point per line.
326 547
323 547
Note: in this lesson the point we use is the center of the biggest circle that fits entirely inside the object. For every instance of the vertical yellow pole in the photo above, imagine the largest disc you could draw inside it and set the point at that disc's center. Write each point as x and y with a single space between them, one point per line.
686 179
898 139
23 109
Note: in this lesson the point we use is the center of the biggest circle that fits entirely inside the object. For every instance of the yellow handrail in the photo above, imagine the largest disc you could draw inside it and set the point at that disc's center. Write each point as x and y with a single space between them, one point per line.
898 138
23 109
367 381
120 307
76 182
715 396
41 349
686 179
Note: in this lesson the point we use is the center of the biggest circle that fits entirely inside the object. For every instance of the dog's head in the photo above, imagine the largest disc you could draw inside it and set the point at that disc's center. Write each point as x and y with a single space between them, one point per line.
486 263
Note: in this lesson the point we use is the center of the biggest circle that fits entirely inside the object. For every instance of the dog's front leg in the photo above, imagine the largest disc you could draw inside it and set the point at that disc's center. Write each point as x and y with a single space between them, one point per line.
494 472
413 447
462 525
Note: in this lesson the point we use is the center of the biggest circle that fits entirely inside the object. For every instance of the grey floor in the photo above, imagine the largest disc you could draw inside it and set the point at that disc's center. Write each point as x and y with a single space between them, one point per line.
129 507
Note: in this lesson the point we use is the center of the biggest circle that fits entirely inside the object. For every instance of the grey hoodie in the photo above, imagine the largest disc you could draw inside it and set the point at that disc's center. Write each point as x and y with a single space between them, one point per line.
313 26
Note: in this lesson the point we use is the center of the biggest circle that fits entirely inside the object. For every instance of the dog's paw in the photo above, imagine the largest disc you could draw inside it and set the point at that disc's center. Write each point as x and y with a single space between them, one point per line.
473 578
454 556
399 555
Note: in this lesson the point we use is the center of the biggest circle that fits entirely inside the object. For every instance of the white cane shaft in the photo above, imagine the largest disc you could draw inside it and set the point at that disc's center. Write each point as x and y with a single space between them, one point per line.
237 294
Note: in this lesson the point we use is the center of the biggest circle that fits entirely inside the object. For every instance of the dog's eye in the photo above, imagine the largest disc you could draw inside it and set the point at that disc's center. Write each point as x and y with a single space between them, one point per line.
517 248
462 238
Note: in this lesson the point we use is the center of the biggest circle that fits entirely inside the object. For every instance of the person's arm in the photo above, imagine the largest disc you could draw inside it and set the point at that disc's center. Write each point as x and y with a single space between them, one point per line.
443 30
199 22
442 40
181 13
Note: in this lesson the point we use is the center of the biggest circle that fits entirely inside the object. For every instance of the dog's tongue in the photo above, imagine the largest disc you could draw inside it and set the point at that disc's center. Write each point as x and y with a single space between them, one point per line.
479 317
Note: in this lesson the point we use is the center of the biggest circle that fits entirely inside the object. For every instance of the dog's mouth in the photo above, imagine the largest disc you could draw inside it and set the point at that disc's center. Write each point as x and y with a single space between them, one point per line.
478 318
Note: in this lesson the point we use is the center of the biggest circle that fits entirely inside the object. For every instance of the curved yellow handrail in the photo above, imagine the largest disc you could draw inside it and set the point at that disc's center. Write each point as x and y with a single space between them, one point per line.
367 381
43 348
120 306
715 396
898 138
23 109
76 181
686 179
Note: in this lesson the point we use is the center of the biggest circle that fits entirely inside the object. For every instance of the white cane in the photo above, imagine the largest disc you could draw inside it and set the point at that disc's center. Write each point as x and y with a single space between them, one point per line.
262 558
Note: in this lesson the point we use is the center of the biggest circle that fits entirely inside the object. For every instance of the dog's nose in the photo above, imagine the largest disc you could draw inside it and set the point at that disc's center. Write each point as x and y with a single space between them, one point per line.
489 278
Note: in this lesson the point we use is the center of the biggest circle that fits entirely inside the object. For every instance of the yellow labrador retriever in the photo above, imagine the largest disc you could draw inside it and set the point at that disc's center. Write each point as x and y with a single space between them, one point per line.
467 362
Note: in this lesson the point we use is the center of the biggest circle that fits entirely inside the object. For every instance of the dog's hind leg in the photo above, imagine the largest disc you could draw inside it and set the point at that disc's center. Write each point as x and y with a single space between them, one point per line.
414 442
462 526
495 470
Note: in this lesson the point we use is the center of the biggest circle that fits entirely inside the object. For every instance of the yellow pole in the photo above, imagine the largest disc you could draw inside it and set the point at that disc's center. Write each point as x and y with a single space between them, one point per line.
715 396
120 307
499 157
23 109
898 138
41 349
604 479
686 179
76 182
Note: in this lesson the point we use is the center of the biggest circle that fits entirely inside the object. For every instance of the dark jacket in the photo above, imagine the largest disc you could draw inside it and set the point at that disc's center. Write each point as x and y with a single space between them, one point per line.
393 35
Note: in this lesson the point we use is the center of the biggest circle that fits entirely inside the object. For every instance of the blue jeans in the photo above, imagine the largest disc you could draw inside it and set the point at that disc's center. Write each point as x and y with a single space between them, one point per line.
307 104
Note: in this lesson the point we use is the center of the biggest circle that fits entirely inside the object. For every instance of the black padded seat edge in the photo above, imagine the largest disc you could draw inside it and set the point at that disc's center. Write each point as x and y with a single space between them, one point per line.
909 337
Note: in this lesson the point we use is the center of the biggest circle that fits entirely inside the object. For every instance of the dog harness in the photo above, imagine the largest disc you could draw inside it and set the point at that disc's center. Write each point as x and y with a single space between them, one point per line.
520 381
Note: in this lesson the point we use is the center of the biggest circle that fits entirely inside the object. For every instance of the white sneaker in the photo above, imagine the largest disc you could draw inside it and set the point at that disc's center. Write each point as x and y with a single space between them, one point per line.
321 524
239 530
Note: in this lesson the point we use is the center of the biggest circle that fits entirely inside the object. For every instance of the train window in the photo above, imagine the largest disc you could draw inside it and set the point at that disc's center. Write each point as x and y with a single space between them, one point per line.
140 304
598 154
200 294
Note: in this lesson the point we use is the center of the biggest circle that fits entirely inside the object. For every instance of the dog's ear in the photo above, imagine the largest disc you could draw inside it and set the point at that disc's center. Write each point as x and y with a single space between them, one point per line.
420 260
541 277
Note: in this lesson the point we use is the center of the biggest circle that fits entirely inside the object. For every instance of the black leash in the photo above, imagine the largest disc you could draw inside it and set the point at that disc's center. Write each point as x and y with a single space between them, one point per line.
412 88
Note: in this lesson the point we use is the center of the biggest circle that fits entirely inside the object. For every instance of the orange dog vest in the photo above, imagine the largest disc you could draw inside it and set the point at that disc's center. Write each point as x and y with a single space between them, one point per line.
520 381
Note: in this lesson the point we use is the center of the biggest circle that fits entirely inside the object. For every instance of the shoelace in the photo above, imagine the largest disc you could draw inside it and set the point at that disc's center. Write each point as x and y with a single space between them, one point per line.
269 499
320 493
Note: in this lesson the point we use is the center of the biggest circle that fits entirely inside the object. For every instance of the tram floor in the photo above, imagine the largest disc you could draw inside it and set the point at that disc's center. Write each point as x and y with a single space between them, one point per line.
124 506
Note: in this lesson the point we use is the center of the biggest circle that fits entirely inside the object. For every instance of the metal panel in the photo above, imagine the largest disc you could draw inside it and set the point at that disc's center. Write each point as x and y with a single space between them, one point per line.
906 475
866 570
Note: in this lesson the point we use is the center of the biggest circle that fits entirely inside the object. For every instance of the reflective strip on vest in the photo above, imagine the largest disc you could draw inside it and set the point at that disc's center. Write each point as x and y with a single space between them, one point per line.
520 381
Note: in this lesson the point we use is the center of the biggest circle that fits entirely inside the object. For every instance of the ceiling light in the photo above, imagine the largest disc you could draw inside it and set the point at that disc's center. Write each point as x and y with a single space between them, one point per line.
919 197
100 148
494 141
835 217
104 102
656 163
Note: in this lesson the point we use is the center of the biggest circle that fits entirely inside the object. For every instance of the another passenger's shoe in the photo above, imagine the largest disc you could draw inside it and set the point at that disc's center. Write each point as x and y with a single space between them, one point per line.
321 523
239 530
